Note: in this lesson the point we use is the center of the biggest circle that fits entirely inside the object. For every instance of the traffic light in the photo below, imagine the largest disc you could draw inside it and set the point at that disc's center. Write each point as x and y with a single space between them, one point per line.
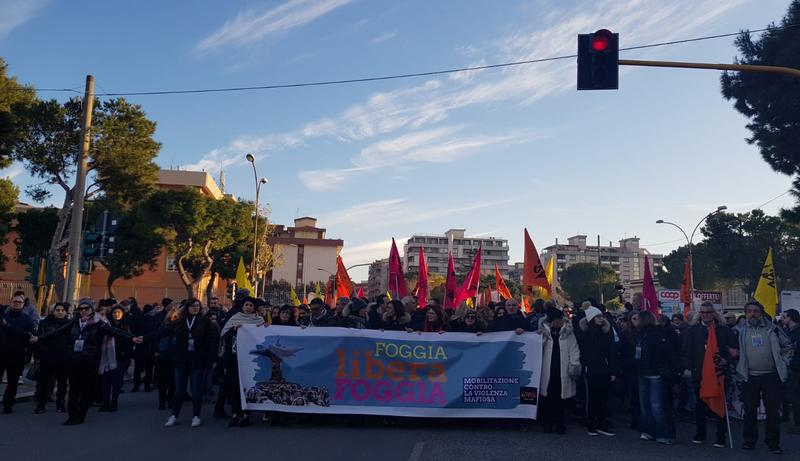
598 61
91 244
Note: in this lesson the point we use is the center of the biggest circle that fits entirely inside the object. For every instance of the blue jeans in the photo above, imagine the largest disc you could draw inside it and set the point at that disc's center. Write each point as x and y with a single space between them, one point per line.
194 377
655 419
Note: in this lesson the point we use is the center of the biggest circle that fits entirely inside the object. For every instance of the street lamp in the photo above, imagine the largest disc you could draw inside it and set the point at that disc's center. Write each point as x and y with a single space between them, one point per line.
254 265
689 239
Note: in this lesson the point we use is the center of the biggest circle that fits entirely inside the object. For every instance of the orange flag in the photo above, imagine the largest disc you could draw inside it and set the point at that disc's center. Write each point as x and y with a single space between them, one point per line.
533 273
712 384
526 306
502 289
344 286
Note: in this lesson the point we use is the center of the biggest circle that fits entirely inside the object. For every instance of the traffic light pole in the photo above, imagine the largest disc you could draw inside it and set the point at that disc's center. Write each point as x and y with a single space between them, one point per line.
79 194
704 65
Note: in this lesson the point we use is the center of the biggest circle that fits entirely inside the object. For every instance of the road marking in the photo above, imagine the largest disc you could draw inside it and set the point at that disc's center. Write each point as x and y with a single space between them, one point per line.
416 452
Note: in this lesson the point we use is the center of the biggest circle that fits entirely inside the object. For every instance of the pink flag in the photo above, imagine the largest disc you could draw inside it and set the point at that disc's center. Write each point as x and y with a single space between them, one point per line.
360 293
469 289
649 296
397 281
422 280
450 286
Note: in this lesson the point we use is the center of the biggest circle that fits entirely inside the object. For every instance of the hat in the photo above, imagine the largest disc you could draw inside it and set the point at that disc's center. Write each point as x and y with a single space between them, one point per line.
592 312
357 305
85 302
553 313
316 301
586 304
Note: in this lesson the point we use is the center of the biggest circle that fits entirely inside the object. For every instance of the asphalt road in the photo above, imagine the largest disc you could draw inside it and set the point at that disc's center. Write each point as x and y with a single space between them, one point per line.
136 432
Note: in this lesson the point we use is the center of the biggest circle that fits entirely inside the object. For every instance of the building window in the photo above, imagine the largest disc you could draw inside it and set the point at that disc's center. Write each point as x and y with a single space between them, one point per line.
171 264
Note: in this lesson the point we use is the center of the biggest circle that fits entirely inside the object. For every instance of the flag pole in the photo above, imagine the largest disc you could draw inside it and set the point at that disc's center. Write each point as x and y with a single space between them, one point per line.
727 414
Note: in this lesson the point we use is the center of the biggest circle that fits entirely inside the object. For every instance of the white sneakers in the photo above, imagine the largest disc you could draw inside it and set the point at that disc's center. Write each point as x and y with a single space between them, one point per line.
172 420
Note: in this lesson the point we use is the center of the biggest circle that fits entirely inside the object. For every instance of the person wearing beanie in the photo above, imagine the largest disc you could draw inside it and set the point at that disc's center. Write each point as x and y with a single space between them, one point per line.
561 366
600 368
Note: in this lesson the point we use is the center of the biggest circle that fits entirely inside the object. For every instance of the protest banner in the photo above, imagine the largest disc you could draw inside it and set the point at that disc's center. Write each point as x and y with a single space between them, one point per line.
391 373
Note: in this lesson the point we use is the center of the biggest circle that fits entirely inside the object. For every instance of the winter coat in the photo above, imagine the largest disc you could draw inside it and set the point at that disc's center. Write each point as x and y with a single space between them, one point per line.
59 348
694 340
656 355
794 337
598 352
93 336
205 336
16 328
779 344
460 326
510 322
123 349
570 359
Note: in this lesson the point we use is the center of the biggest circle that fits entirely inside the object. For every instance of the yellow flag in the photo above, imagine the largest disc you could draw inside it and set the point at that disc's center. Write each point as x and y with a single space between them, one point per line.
241 277
295 301
389 295
318 292
549 271
767 290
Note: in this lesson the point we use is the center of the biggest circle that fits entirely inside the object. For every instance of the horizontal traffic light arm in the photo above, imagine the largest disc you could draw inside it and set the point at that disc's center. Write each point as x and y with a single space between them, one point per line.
705 65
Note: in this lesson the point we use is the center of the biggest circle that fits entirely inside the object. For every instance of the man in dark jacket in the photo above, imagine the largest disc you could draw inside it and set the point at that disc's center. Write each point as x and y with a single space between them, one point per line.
514 320
693 354
791 321
16 328
321 316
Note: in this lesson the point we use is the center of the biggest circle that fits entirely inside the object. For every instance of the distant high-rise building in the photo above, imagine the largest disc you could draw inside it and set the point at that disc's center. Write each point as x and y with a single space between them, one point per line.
378 281
627 259
436 247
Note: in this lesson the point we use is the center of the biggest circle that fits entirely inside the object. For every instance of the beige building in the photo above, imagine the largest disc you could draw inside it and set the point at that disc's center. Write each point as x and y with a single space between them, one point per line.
303 253
627 259
378 281
436 247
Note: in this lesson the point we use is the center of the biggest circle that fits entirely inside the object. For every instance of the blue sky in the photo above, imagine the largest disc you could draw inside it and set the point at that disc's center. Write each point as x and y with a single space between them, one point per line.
491 151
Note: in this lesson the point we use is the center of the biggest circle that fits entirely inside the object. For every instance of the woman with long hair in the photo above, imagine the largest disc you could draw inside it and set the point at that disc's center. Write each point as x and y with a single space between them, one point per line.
112 379
194 346
54 359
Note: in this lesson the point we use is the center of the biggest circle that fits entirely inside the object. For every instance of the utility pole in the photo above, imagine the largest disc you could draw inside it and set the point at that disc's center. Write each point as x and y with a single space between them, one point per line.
79 192
599 274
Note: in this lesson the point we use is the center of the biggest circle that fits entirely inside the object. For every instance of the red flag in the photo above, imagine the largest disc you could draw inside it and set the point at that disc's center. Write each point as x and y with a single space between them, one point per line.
533 273
360 293
649 296
502 289
422 280
397 280
450 286
344 286
686 295
469 289
712 383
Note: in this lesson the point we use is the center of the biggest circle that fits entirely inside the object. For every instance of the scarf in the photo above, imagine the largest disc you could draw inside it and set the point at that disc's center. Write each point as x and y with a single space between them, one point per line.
240 318
108 350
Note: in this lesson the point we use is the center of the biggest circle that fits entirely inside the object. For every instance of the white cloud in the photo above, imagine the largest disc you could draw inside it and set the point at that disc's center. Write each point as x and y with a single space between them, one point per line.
438 145
11 172
17 12
418 108
385 36
253 25
370 251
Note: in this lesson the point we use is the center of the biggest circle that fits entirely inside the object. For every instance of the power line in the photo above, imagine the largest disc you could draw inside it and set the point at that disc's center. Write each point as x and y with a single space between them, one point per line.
399 76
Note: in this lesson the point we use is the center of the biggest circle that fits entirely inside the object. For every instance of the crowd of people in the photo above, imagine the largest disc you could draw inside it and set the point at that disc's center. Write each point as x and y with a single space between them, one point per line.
591 357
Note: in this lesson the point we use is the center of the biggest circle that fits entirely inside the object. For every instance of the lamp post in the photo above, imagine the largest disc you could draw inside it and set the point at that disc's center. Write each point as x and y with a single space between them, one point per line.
689 239
254 264
333 287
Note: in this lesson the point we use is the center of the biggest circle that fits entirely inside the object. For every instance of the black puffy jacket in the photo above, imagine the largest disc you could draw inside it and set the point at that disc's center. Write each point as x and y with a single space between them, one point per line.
656 356
206 340
59 348
598 352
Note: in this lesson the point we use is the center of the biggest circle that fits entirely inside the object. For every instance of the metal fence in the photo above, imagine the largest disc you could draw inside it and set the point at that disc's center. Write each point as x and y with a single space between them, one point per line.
7 290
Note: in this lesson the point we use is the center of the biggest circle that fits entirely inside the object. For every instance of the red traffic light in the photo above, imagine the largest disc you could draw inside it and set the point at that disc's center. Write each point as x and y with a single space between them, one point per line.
601 39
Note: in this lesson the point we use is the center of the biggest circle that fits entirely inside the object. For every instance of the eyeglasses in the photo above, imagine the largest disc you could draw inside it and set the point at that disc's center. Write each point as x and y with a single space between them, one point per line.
84 308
